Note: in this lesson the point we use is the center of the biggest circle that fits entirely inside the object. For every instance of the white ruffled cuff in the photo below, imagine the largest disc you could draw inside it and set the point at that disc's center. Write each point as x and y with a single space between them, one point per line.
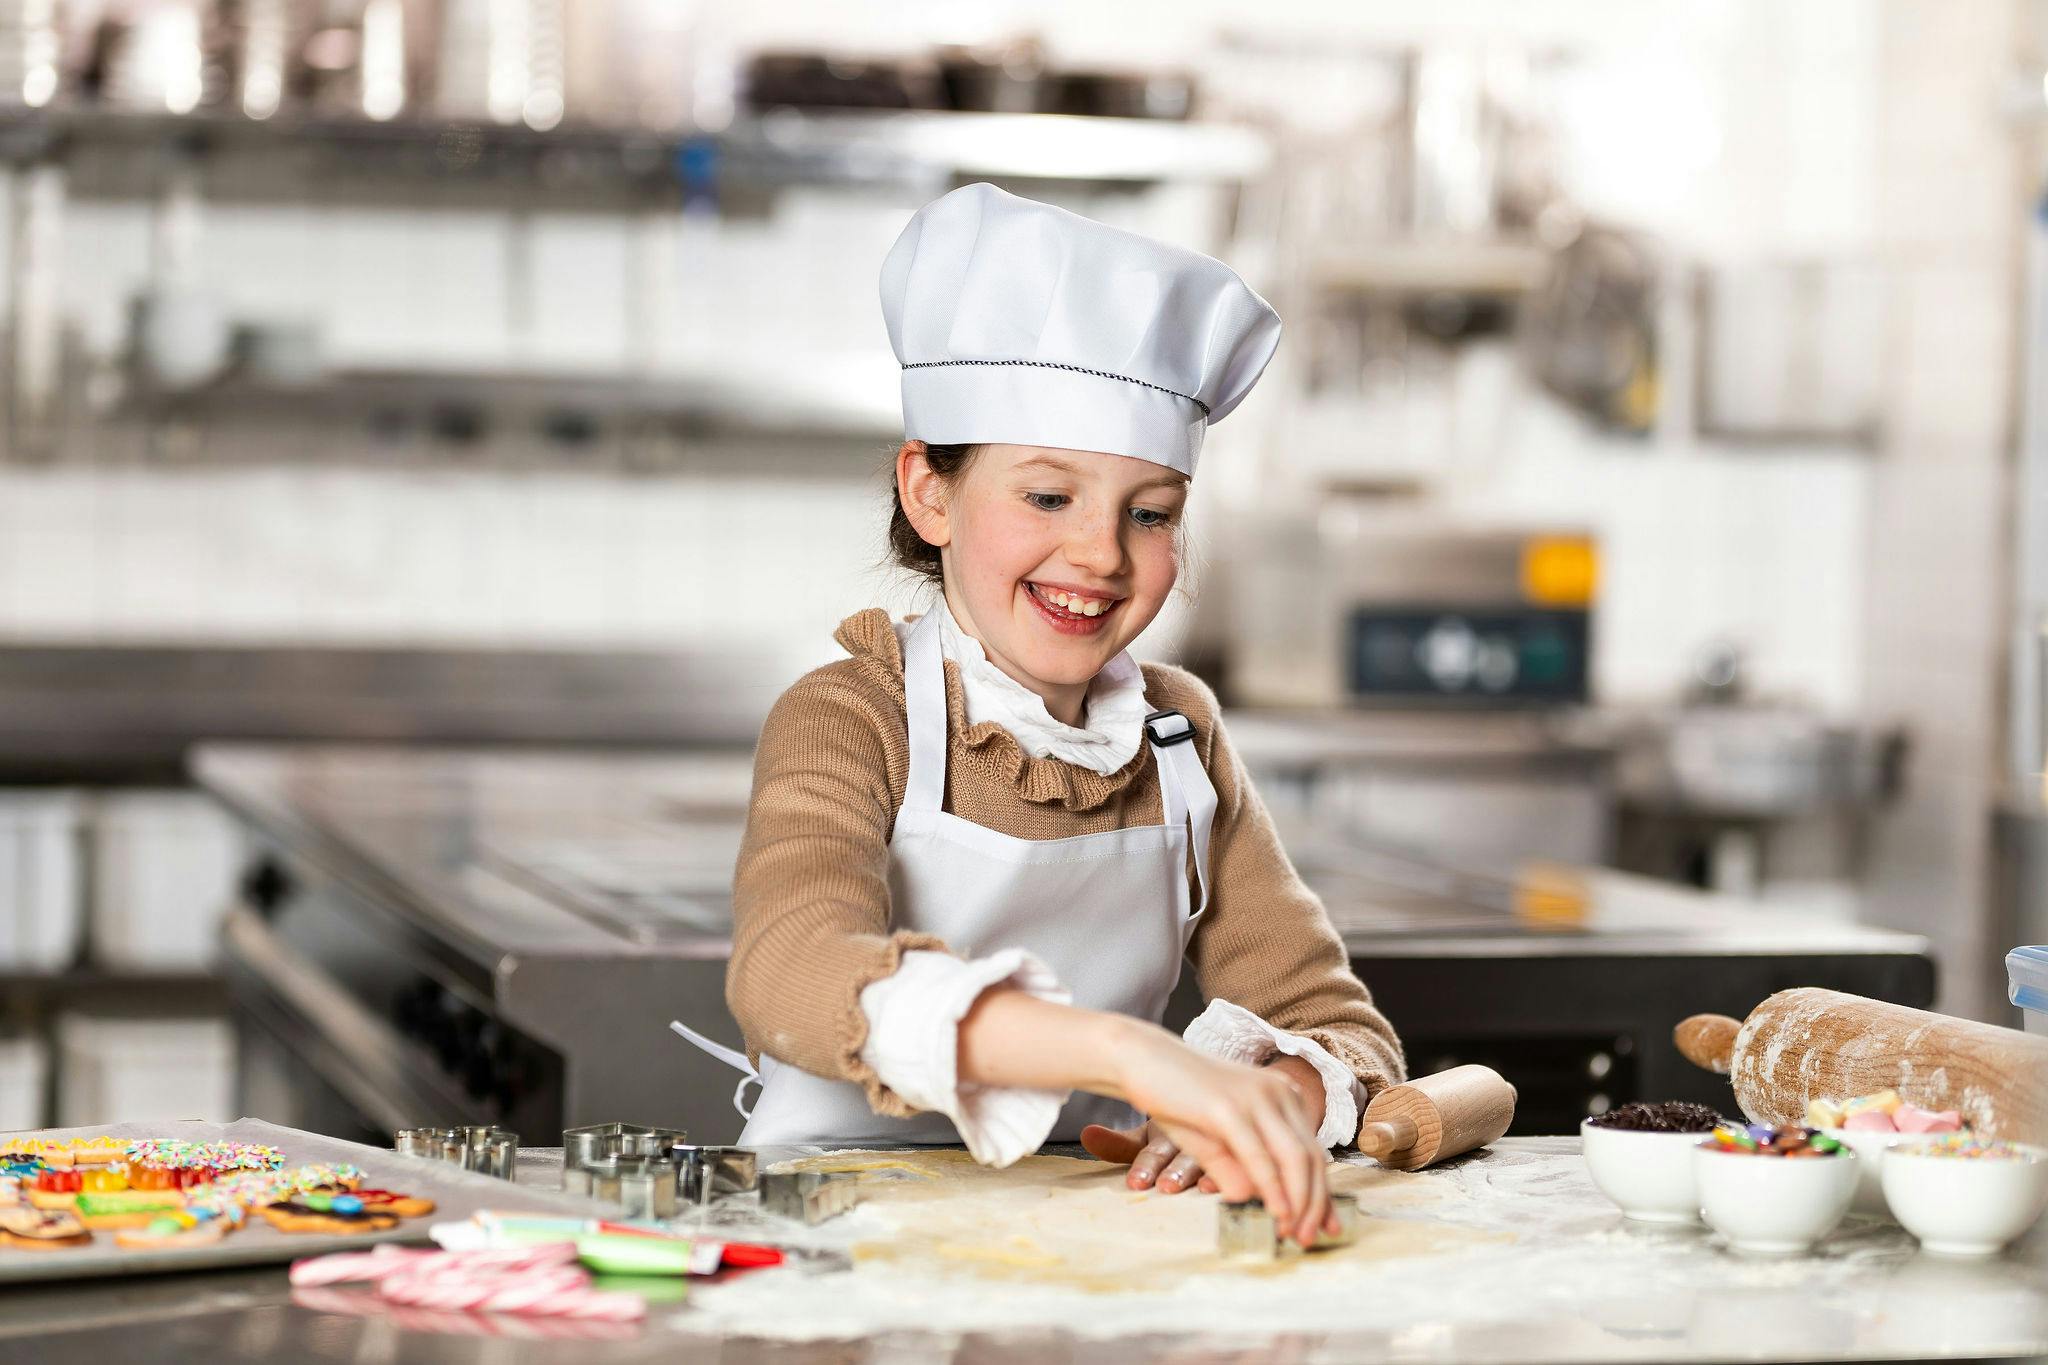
913 1044
1237 1035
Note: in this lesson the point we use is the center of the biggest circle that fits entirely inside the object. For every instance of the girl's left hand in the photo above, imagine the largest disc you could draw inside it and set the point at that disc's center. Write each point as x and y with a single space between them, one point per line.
1157 1162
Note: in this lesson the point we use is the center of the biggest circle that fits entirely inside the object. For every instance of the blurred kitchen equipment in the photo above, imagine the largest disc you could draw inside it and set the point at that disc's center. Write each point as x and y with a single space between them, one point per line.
1725 792
1790 350
265 37
42 879
1386 606
180 337
24 1073
1811 1044
818 80
163 873
157 56
1589 333
283 353
504 61
1719 755
114 1069
28 53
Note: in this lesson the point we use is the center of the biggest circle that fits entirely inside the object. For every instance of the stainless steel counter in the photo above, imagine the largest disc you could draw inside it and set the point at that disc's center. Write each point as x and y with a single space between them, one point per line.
504 936
1557 1277
129 713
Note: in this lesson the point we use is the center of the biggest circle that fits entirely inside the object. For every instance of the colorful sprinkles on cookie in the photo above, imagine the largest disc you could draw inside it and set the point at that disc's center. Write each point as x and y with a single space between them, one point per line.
157 1193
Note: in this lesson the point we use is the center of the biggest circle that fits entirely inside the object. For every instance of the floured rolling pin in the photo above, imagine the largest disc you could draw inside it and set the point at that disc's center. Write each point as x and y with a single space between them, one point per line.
1813 1044
1434 1118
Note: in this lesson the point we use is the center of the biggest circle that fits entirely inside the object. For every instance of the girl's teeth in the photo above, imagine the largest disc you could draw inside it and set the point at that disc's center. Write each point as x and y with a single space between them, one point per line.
1080 606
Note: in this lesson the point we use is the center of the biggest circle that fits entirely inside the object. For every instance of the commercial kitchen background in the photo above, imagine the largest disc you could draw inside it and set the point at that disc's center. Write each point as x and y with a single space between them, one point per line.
416 349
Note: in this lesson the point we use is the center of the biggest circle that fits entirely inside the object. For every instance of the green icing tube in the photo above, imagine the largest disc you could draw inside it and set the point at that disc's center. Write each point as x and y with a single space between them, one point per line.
623 1254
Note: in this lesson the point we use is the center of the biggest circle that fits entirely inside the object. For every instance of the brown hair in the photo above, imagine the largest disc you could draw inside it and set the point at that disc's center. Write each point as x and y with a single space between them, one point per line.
907 548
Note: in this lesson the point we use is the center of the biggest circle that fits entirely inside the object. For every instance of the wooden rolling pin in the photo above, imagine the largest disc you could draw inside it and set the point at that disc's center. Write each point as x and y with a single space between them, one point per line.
1811 1044
1434 1118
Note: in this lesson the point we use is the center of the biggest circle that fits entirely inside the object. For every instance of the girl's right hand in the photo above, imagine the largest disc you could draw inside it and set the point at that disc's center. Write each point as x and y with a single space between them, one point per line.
1247 1126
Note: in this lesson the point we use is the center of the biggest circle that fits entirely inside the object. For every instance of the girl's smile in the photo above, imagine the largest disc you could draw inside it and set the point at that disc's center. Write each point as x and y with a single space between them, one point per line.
1071 610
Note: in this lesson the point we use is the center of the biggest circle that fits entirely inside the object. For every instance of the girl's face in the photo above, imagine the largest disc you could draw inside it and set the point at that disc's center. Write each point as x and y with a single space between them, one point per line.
1055 559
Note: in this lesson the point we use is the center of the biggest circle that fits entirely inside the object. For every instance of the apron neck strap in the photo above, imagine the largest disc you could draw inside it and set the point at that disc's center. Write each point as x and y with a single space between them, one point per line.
924 710
1185 792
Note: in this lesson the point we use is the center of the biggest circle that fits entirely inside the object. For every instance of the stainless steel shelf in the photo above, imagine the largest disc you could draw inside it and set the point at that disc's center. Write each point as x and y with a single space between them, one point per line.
1504 268
119 154
845 401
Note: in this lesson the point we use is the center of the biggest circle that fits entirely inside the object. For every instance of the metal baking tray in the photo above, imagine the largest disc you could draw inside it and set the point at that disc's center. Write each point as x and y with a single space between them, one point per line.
456 1194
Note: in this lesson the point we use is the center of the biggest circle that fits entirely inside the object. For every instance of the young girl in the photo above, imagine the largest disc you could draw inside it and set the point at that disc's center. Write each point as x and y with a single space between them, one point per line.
980 848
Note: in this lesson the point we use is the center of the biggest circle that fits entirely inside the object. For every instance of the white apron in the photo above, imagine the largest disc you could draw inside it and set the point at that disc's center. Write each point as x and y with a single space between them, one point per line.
1108 913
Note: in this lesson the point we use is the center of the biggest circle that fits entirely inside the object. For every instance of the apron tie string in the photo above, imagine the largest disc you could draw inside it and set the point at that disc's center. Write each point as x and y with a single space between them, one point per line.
732 1058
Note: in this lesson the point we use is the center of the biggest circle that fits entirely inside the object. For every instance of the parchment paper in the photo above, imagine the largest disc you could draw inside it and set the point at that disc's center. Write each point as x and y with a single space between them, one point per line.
456 1194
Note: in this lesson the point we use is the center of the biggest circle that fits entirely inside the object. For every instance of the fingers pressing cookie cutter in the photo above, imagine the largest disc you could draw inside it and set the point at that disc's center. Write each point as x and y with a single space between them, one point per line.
1245 1230
809 1197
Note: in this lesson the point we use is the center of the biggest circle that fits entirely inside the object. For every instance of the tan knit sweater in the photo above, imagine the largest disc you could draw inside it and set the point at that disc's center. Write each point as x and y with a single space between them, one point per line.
811 891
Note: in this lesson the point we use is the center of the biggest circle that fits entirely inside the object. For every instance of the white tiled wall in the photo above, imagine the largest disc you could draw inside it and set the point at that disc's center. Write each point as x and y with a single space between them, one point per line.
476 558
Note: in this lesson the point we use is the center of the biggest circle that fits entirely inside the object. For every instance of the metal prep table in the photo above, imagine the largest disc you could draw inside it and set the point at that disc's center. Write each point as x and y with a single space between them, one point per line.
1574 1283
503 937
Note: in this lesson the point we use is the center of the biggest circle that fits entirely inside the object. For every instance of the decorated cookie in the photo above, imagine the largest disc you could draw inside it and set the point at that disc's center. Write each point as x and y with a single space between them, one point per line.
172 1231
35 1230
126 1208
391 1202
331 1222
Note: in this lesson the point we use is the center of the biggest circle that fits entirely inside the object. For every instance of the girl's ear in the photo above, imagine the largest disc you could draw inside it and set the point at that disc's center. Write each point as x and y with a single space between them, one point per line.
923 495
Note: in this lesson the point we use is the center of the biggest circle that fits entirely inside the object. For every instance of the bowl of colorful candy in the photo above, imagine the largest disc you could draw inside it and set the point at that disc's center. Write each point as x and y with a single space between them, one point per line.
1773 1191
1965 1196
1640 1156
1867 1126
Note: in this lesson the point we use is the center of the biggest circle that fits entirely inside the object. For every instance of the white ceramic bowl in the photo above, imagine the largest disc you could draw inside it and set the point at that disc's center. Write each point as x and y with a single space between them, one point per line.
1869 1148
1774 1205
1961 1206
1648 1175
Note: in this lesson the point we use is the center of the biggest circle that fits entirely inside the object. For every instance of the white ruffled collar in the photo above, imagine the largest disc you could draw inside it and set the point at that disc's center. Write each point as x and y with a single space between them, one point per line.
1113 719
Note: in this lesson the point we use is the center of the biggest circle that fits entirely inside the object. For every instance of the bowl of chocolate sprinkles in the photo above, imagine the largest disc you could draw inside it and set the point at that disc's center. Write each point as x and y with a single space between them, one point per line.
1640 1156
1661 1116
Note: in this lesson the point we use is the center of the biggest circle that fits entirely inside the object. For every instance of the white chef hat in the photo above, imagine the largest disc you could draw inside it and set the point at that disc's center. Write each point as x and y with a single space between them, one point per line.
1019 322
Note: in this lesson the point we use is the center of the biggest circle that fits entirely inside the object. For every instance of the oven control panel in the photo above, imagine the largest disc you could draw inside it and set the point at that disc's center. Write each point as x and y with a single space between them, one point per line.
1511 655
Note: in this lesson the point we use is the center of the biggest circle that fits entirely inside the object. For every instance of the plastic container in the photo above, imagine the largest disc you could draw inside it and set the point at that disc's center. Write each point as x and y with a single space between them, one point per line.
120 1070
2027 971
24 1070
42 869
165 866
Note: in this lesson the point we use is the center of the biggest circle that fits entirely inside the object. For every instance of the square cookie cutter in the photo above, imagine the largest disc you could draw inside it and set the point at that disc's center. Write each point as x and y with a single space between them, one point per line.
1245 1231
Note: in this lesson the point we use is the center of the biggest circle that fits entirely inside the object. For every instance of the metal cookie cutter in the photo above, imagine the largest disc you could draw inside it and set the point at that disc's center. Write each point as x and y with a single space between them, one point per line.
642 1186
492 1151
582 1146
809 1197
1246 1230
702 1172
